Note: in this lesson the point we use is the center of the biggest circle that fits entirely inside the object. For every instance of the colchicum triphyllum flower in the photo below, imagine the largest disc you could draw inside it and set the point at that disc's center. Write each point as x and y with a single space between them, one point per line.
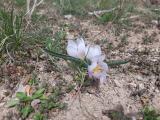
97 68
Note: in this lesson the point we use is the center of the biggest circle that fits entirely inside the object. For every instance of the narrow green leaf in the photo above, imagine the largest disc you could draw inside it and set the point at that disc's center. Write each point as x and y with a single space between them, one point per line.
12 102
116 62
38 93
22 96
66 57
26 111
38 116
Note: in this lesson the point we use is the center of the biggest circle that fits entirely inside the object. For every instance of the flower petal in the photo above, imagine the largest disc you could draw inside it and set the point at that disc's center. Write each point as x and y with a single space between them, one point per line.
76 48
93 51
72 52
103 80
99 58
72 48
81 48
72 43
81 44
104 66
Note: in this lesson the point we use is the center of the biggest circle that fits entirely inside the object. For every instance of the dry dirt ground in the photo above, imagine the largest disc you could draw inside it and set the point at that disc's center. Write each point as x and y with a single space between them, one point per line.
132 85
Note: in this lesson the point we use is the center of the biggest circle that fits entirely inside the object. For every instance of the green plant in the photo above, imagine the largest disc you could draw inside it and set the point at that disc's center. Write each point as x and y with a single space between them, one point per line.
82 7
123 41
150 113
38 116
23 102
72 6
56 44
70 87
147 39
33 80
120 12
20 2
53 101
107 17
10 30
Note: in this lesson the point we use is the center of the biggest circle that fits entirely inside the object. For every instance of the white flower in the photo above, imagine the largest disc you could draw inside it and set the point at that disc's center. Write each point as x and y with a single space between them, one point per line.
93 52
98 69
76 48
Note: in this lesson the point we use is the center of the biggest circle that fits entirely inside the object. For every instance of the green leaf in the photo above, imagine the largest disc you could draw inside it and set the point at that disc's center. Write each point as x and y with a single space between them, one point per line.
12 102
26 111
113 63
22 96
43 97
66 57
38 116
38 93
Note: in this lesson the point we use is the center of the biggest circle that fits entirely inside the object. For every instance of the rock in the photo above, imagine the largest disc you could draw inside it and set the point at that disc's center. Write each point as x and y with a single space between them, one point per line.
140 78
43 56
68 78
117 83
68 16
141 86
132 85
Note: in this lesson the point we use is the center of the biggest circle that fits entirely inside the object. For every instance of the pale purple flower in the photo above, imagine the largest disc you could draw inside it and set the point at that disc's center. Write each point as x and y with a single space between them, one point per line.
98 69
